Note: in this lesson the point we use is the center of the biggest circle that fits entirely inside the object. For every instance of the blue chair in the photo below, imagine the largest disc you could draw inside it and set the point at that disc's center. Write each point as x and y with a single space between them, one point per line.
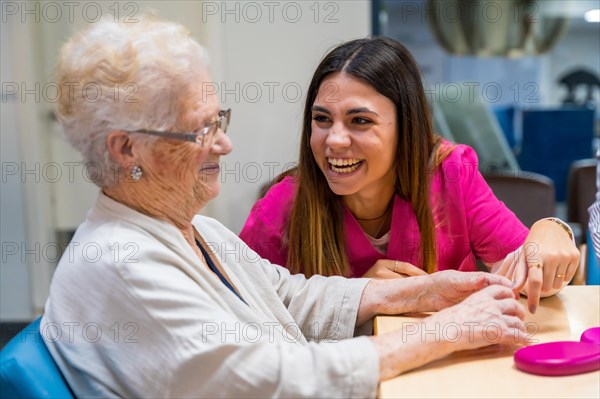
593 268
27 369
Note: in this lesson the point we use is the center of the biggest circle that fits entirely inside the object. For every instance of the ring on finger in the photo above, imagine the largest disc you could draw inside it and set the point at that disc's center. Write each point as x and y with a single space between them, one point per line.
560 276
395 266
537 265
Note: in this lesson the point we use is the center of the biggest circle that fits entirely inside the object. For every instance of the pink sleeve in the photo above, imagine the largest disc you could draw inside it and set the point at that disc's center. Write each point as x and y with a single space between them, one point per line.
264 230
494 230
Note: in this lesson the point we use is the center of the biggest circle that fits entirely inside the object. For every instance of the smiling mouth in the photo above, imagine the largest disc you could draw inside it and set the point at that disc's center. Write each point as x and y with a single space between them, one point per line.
339 165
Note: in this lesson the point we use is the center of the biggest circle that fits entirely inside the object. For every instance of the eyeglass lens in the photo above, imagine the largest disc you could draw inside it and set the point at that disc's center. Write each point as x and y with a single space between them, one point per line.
222 123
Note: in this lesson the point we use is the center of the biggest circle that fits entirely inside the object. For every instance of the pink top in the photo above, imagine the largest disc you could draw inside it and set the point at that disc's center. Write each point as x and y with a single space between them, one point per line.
470 222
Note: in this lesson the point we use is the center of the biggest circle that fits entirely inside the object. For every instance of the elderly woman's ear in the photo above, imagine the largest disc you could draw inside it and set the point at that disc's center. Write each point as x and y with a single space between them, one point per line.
121 148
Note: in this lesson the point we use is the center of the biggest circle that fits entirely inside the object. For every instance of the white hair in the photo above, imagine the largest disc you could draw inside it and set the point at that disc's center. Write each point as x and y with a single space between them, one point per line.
123 76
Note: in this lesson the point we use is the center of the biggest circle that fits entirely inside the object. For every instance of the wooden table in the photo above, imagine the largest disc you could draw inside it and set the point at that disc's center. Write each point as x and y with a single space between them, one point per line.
490 372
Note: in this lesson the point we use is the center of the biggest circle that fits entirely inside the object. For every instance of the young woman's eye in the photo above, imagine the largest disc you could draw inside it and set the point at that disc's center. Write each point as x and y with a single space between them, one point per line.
320 119
361 121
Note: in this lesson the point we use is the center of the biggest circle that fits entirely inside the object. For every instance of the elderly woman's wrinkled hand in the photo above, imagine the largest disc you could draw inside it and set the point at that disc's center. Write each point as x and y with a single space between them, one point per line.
449 287
487 317
490 316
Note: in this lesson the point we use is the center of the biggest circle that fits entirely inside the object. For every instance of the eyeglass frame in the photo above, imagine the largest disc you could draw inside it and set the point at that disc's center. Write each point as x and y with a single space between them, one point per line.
224 116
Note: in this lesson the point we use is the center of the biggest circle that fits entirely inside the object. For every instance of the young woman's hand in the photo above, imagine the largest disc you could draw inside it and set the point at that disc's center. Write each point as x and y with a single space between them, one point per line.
545 263
387 268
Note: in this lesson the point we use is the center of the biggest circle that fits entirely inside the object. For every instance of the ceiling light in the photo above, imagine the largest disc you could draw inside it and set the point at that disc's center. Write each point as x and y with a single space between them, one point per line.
592 15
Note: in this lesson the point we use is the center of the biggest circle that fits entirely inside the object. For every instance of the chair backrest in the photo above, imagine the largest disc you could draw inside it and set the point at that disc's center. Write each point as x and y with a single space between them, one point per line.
581 192
27 369
529 195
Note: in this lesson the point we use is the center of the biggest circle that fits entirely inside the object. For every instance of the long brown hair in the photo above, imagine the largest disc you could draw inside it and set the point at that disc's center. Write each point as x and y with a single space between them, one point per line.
315 234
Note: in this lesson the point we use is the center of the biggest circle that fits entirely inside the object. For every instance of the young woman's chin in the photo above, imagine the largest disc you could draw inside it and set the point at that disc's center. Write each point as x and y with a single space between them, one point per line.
342 188
344 183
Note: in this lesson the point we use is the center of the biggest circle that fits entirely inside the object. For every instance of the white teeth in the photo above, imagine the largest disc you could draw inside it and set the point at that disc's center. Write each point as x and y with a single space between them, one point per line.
345 169
344 165
343 161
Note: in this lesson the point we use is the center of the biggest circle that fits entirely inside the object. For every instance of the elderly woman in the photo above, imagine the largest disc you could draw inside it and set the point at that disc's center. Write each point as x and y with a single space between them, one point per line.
377 194
170 304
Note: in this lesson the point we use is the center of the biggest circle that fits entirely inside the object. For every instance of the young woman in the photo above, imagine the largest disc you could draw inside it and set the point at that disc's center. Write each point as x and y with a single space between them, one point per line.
376 193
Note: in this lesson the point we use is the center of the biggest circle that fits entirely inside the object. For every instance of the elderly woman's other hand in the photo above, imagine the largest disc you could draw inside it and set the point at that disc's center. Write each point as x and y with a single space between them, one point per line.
387 268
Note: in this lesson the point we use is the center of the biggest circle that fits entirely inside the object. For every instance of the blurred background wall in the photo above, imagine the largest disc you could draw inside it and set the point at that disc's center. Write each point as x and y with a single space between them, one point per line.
262 57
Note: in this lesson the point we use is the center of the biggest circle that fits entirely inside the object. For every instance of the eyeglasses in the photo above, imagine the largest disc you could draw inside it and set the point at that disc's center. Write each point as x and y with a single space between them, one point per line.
199 137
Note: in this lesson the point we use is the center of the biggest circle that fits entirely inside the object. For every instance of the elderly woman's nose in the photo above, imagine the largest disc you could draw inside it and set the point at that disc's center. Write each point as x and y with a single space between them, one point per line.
222 144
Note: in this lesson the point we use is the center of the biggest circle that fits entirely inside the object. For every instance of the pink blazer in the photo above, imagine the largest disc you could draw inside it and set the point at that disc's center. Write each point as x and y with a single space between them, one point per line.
470 222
